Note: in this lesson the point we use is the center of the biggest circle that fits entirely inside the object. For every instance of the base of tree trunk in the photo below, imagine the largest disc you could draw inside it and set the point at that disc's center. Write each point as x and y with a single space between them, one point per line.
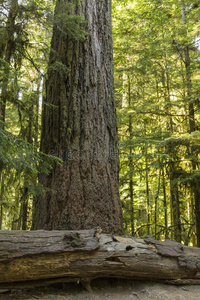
41 257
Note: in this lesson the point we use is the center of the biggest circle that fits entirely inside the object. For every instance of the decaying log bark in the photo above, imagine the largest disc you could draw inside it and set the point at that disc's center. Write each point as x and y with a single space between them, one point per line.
42 257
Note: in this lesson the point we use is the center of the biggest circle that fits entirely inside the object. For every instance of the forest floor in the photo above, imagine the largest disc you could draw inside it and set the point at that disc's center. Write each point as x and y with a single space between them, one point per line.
107 289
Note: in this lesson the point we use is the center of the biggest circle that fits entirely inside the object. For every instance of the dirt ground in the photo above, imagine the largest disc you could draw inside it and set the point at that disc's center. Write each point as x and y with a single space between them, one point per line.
107 289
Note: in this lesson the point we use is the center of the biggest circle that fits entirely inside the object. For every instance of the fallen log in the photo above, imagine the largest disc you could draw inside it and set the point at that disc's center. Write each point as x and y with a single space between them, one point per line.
43 257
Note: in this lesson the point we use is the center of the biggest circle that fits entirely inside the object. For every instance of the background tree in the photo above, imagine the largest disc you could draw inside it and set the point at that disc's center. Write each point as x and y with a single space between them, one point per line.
156 46
21 69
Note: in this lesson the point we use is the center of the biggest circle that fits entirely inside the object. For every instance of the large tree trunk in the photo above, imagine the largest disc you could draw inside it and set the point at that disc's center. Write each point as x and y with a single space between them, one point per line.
79 125
43 257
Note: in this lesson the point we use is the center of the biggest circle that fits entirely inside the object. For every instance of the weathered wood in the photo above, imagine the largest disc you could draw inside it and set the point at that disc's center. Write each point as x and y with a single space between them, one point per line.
43 257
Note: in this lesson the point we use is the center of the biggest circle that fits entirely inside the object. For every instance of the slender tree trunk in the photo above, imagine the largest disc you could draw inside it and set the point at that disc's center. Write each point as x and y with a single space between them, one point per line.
25 193
147 192
16 211
166 87
197 211
175 204
79 125
1 199
188 75
1 215
132 207
130 129
37 119
174 192
9 47
19 223
156 200
165 204
147 186
24 204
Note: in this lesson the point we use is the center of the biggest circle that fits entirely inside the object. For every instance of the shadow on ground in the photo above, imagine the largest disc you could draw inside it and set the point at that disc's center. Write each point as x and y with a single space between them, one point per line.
106 289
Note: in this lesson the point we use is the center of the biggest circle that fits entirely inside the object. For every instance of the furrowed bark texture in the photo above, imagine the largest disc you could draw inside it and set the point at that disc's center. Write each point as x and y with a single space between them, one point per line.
79 125
39 257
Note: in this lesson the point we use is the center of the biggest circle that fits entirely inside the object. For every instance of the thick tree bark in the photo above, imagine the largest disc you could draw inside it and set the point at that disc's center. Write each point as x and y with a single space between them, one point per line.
39 257
79 125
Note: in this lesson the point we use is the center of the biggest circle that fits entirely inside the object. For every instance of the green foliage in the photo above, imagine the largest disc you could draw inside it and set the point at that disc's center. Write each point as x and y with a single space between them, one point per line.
17 154
157 88
68 22
59 67
71 25
25 39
